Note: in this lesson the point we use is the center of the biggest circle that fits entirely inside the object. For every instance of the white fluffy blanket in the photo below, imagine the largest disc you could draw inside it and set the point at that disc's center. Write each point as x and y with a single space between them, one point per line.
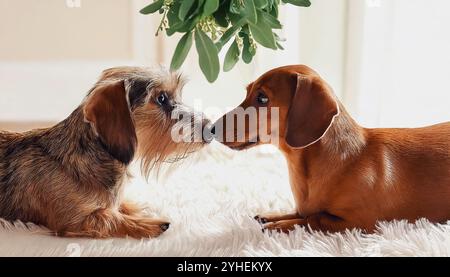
211 203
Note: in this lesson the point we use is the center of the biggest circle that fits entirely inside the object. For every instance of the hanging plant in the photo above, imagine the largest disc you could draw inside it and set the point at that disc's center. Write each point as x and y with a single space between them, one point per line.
213 23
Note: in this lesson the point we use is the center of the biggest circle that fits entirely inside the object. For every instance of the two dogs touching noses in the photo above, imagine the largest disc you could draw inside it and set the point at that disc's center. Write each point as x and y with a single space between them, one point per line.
70 177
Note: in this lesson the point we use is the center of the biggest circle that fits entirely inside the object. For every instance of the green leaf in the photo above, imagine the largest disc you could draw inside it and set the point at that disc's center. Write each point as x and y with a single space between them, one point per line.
210 7
274 10
221 17
153 7
183 26
249 11
198 9
261 4
234 18
186 5
247 52
244 8
235 6
300 3
172 14
229 34
269 5
174 28
207 55
269 20
181 52
245 29
189 25
262 33
232 57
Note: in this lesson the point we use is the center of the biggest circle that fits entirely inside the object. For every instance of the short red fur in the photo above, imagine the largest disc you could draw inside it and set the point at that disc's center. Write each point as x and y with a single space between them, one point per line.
342 175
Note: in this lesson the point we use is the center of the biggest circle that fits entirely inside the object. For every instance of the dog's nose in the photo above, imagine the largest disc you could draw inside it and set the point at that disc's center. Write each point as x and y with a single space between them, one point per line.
164 226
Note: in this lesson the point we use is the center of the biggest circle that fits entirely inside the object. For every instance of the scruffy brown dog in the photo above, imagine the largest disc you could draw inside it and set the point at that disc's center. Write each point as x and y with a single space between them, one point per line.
70 177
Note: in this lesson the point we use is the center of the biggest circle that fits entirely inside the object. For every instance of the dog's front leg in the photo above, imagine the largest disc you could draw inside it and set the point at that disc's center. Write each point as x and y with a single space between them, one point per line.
280 223
104 223
141 227
130 208
323 222
276 217
316 222
284 226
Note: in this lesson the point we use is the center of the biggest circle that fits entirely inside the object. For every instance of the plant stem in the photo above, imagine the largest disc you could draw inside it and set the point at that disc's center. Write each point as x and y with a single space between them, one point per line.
163 21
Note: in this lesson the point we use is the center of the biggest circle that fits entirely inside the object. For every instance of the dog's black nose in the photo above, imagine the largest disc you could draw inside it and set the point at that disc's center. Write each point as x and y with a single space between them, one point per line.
164 226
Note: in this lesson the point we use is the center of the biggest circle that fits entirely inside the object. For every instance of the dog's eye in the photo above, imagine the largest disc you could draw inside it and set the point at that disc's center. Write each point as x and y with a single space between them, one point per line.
262 98
162 99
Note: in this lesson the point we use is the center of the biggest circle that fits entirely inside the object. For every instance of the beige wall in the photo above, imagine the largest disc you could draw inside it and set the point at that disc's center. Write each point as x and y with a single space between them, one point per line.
60 51
50 30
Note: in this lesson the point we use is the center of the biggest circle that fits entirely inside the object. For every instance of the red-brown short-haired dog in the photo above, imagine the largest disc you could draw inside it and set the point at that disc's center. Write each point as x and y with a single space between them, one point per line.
342 175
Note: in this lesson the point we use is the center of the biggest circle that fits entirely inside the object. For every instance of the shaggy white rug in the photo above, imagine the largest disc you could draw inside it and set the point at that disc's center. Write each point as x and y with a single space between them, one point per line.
211 203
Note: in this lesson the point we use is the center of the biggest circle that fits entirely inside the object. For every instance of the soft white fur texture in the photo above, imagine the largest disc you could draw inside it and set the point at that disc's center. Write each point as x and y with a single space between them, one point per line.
211 203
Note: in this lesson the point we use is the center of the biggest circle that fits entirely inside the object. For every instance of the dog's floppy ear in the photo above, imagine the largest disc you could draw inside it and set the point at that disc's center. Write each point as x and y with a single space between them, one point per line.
311 113
108 112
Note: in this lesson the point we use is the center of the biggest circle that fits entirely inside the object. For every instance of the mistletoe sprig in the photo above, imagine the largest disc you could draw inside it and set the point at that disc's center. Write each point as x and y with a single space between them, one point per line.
213 23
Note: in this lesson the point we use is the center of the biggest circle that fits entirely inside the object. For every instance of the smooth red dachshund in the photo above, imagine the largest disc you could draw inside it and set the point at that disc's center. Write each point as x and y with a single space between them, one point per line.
342 175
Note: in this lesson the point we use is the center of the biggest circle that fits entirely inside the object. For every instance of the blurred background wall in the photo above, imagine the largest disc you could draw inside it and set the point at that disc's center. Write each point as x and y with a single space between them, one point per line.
387 60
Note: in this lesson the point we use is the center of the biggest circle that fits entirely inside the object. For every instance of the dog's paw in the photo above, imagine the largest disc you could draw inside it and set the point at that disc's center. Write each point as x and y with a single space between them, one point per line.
284 226
145 227
151 229
261 219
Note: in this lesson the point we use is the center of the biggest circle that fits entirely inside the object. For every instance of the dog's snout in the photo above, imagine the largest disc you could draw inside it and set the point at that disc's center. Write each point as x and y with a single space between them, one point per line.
164 226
